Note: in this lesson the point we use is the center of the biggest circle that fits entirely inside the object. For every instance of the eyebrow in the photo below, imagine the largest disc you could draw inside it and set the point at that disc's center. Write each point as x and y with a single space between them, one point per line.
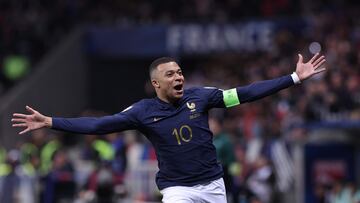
173 71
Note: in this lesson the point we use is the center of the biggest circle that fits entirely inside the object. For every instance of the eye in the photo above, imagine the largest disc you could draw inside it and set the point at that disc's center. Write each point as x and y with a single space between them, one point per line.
169 74
180 72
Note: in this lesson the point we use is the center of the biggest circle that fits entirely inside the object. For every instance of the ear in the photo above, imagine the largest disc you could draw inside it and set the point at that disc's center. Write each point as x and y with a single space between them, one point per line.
155 83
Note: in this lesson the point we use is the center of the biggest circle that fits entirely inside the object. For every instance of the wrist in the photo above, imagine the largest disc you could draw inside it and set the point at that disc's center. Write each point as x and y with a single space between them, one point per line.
295 78
48 122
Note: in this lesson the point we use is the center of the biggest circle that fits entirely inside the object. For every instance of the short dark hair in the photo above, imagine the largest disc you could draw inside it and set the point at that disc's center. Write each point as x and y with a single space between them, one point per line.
159 61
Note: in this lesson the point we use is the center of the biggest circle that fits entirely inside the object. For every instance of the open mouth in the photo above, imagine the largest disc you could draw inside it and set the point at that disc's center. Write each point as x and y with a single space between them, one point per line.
178 87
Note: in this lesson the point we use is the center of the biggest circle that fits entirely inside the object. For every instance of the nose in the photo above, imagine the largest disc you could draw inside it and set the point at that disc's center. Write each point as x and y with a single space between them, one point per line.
179 77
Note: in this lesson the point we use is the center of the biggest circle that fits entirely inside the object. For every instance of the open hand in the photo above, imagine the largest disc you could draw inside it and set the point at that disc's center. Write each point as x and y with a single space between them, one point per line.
312 67
32 121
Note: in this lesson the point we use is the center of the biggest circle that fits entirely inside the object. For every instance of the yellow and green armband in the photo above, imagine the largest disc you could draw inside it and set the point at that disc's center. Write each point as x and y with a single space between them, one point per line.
230 97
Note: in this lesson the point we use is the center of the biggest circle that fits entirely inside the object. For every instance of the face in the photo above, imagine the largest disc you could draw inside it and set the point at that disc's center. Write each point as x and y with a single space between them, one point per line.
168 81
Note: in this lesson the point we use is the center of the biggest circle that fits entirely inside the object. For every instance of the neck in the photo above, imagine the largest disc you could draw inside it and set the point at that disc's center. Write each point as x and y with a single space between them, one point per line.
167 100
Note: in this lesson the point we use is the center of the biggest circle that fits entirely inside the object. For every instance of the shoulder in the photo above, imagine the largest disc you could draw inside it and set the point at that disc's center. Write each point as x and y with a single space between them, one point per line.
142 106
135 111
202 90
133 108
146 103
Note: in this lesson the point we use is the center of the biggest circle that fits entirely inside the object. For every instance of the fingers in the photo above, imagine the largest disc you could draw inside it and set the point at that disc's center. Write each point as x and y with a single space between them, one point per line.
19 125
20 115
300 58
320 70
18 120
318 63
313 58
24 131
29 109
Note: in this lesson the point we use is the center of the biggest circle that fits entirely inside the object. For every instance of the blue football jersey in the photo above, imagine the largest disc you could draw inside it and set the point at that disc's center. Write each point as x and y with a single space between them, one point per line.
179 132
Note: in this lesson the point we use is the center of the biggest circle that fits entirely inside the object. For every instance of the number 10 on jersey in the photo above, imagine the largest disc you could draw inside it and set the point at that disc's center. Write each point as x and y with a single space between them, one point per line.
184 134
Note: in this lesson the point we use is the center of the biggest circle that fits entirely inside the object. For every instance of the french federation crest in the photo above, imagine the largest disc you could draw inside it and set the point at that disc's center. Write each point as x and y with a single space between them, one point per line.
191 106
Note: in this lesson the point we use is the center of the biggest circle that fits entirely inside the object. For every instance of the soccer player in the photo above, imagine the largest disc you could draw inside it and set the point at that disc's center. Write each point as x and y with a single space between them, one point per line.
176 123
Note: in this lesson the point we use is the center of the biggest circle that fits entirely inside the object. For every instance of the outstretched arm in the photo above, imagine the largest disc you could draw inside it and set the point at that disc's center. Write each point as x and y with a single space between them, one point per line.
83 125
264 88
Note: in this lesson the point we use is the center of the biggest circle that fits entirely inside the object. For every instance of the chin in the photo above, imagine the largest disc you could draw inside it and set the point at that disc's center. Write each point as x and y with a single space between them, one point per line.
178 96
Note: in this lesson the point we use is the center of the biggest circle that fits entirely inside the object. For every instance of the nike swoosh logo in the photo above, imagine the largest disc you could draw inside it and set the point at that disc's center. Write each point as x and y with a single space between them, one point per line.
157 119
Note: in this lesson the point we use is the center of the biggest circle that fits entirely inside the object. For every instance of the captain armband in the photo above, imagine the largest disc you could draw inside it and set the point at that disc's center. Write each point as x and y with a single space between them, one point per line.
231 98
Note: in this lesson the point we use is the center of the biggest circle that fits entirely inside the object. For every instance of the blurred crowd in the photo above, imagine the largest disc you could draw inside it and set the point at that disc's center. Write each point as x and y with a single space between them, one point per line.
121 167
49 168
29 29
68 168
258 130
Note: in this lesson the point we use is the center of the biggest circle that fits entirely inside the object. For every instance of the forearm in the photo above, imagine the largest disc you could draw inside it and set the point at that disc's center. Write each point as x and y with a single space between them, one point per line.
76 125
89 125
264 88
